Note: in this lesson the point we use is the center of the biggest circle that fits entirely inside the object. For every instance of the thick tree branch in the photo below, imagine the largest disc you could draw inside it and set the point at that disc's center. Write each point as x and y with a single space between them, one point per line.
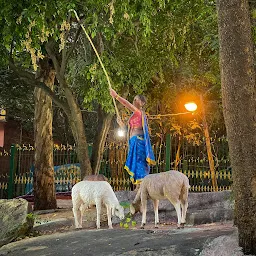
29 79
60 103
72 47
21 73
50 50
64 51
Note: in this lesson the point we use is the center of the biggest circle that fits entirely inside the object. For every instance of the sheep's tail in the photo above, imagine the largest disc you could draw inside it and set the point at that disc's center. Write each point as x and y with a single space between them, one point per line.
136 201
184 189
137 197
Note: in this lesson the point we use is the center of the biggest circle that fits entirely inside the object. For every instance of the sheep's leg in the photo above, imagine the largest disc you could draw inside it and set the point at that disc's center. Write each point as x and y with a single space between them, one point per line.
178 211
98 210
78 217
109 217
156 203
184 207
82 210
144 211
77 202
77 213
184 204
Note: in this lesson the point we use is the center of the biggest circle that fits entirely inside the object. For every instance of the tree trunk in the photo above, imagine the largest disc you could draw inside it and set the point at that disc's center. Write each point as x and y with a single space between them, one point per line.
177 157
73 111
44 187
77 126
239 96
209 147
104 122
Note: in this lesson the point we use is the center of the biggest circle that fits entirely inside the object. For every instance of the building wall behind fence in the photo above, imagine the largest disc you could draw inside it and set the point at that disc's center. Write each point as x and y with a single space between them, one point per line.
193 163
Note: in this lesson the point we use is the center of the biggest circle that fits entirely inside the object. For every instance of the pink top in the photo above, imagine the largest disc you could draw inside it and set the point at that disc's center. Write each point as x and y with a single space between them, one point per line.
136 120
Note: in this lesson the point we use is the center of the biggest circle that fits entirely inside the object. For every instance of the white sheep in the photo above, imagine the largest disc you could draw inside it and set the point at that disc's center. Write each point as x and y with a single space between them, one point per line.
171 185
88 193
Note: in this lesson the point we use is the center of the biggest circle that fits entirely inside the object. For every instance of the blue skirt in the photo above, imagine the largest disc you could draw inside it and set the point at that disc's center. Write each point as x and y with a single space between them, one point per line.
136 164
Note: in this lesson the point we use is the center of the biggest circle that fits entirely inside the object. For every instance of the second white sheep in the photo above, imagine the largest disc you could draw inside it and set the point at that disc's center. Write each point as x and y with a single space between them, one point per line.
171 185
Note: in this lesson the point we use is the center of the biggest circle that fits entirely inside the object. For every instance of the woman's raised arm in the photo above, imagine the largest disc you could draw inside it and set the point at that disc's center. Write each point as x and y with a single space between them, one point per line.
123 101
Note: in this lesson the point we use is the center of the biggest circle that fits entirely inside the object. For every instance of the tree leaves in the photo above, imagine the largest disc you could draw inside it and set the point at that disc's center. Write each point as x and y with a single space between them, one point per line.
138 42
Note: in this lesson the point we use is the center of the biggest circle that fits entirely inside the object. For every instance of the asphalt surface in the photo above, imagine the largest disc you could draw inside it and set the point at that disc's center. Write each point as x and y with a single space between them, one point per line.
188 241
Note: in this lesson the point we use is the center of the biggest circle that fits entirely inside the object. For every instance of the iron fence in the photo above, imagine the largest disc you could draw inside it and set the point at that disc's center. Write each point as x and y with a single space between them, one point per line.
192 161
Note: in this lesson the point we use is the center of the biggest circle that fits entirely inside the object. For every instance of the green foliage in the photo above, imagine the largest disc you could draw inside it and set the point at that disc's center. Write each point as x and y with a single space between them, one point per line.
138 38
31 216
146 46
17 98
128 222
125 204
144 40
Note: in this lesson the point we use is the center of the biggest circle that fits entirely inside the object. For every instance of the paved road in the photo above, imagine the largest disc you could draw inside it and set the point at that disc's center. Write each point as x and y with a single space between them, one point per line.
189 241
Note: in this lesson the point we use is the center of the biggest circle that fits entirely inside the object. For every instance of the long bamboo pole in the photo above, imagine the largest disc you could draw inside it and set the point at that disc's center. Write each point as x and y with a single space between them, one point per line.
97 54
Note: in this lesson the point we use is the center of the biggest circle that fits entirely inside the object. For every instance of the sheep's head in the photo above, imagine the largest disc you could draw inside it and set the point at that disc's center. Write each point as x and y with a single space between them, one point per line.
135 207
119 211
132 209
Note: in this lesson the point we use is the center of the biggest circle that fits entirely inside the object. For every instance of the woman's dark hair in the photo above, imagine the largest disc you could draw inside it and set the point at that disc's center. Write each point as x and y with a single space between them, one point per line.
142 98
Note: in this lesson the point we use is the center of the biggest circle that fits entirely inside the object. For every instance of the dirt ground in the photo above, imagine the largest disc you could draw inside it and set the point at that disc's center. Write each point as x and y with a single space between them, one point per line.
64 211
62 220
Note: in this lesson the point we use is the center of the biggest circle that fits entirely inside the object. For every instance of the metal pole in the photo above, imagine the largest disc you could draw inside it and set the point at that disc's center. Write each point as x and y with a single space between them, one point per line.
168 152
11 174
208 147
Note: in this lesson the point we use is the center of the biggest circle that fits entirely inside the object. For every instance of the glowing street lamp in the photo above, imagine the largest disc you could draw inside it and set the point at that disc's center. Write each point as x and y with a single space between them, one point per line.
191 106
120 133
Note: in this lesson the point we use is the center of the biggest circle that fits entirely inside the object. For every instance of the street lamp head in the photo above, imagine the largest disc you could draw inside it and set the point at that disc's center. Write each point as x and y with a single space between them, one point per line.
191 106
120 133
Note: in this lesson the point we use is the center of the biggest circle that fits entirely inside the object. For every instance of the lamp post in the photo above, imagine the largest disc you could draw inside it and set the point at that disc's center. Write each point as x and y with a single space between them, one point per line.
191 106
2 121
120 132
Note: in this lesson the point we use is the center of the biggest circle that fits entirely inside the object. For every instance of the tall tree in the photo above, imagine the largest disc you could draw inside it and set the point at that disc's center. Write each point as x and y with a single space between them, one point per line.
44 187
104 121
136 41
239 104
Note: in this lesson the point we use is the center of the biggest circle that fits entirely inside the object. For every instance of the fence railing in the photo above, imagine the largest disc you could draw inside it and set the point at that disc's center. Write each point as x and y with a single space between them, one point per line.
17 178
